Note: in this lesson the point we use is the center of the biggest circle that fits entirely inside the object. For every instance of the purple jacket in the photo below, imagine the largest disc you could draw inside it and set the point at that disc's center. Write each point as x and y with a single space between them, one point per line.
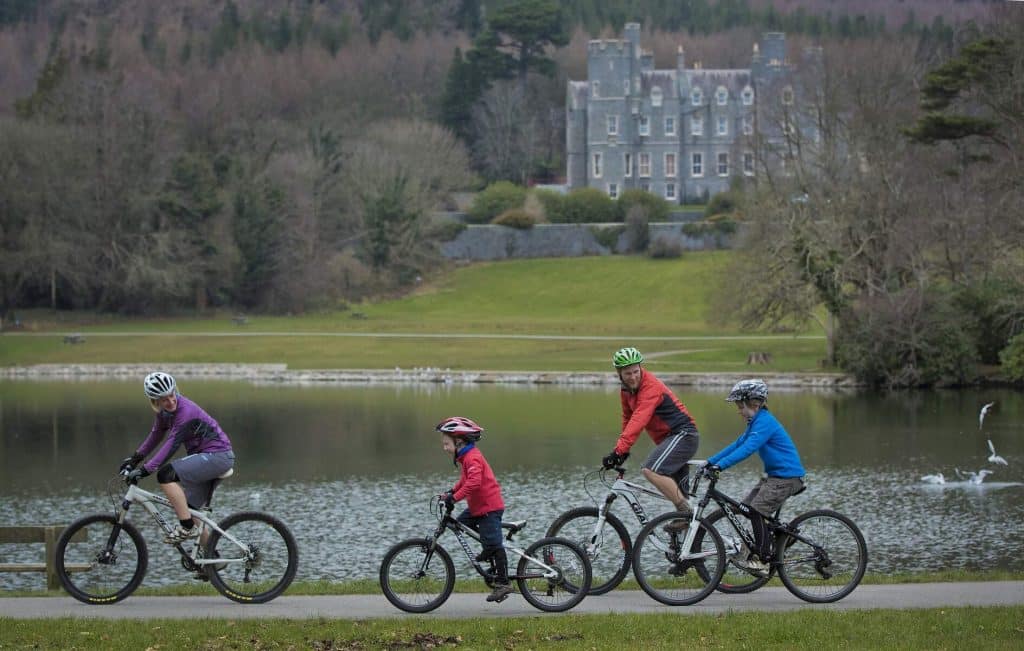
188 424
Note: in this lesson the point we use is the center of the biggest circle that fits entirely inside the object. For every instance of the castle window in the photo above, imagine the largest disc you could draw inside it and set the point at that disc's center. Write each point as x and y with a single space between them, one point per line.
613 125
748 96
723 126
696 97
787 95
697 125
645 125
646 187
697 165
627 165
597 165
748 125
613 190
721 96
748 163
625 87
656 96
595 88
670 191
670 165
670 126
643 164
723 164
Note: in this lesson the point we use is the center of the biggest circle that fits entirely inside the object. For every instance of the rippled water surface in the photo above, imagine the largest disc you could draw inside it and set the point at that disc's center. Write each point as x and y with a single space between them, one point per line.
351 468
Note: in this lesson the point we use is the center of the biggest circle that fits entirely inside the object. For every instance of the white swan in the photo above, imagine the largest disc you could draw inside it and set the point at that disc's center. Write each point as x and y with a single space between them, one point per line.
937 478
995 458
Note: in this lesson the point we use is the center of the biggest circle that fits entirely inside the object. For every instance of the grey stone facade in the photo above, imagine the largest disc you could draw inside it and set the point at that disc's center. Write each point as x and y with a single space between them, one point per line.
681 134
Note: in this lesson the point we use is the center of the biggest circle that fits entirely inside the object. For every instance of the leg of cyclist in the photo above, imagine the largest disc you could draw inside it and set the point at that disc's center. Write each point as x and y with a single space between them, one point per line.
766 498
666 469
186 482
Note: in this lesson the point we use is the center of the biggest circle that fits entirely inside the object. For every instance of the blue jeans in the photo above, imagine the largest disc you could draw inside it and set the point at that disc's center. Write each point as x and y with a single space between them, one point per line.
487 525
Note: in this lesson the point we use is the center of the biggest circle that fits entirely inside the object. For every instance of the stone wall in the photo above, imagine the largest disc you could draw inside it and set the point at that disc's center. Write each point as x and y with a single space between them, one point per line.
489 242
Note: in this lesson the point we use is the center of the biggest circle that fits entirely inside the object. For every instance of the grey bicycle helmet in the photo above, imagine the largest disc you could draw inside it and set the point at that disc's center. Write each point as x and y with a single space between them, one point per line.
753 389
627 357
158 385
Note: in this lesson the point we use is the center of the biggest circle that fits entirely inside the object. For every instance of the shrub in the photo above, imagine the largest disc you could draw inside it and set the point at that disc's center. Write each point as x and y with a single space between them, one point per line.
586 205
608 236
445 230
494 200
655 208
715 225
665 248
515 218
551 203
1012 358
723 203
907 339
637 232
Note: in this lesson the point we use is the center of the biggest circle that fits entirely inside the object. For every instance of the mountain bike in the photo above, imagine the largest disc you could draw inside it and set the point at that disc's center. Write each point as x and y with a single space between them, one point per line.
599 532
249 557
820 556
417 575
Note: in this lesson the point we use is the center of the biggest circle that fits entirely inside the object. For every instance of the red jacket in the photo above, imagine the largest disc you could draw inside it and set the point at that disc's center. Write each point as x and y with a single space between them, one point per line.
653 407
477 484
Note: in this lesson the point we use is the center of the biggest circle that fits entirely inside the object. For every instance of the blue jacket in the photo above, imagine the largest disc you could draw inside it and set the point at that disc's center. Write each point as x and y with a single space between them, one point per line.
769 439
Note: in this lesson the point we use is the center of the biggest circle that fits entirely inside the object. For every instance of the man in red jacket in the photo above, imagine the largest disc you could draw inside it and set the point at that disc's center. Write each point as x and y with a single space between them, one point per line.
648 404
478 486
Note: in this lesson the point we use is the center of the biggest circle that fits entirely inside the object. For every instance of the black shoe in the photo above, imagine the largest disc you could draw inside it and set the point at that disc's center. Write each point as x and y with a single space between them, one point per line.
500 592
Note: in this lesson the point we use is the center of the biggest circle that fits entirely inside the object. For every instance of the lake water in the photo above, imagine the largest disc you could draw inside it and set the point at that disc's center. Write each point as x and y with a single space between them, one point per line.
351 468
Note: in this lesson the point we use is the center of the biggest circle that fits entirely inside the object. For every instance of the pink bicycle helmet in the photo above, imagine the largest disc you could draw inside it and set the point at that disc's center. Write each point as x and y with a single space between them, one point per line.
460 427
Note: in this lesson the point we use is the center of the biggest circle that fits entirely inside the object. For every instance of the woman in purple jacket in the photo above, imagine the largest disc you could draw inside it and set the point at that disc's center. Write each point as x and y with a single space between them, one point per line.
186 481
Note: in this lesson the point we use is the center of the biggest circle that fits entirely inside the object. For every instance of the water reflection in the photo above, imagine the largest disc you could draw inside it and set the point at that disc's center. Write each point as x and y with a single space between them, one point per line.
351 468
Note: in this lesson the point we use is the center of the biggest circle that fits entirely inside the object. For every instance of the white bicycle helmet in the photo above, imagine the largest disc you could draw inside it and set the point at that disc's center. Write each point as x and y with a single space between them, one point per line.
159 385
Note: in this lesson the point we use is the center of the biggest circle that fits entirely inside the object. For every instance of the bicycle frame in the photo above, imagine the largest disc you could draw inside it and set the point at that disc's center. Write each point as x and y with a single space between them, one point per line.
149 502
461 532
630 492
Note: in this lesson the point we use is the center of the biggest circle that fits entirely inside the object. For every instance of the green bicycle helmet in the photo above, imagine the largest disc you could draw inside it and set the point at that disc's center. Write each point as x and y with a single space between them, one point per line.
627 357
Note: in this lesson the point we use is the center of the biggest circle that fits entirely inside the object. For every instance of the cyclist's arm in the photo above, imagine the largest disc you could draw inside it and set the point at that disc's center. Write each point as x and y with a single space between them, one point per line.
471 482
166 451
747 445
156 434
646 402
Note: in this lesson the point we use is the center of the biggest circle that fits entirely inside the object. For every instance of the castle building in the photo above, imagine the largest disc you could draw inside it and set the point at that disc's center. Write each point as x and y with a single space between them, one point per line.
682 133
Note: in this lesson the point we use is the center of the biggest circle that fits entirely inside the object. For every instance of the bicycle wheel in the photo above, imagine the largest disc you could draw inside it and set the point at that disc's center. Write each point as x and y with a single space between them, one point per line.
417 575
561 582
258 557
608 548
735 580
663 569
97 566
831 567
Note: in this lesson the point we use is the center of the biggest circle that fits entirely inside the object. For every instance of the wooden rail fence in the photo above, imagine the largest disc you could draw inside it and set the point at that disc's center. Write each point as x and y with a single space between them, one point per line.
40 534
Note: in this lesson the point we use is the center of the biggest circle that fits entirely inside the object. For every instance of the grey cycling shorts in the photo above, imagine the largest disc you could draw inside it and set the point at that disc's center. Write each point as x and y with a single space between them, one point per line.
769 494
670 456
196 473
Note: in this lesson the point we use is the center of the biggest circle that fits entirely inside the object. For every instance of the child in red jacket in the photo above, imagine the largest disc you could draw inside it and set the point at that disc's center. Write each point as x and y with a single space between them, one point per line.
482 493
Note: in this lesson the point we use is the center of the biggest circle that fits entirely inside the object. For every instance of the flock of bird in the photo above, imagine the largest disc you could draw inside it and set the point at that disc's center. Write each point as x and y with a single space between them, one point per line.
972 477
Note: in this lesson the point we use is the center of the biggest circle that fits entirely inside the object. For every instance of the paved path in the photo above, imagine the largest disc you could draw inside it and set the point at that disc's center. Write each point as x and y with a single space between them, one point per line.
918 595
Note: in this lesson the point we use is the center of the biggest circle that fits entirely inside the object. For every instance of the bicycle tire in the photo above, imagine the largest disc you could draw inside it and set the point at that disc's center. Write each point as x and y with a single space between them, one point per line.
608 570
669 579
559 593
112 574
271 554
396 570
735 579
802 568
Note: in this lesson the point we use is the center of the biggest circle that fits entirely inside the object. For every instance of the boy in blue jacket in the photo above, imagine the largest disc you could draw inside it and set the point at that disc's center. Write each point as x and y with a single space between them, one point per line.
784 474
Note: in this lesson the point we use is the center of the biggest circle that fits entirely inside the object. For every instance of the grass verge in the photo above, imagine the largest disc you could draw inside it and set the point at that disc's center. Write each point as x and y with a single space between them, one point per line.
945 628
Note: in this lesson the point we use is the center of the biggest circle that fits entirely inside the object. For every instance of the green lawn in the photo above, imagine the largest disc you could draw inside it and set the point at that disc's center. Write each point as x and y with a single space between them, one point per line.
587 307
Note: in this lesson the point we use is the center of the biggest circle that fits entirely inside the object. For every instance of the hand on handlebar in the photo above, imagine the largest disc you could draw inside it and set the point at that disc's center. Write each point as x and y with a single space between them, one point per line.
711 470
129 463
449 500
613 459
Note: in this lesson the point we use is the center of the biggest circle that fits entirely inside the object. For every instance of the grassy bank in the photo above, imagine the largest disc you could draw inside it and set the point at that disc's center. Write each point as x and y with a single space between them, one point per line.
946 628
662 306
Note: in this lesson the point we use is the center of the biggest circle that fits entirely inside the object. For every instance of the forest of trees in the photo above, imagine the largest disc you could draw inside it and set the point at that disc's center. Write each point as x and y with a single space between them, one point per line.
157 157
